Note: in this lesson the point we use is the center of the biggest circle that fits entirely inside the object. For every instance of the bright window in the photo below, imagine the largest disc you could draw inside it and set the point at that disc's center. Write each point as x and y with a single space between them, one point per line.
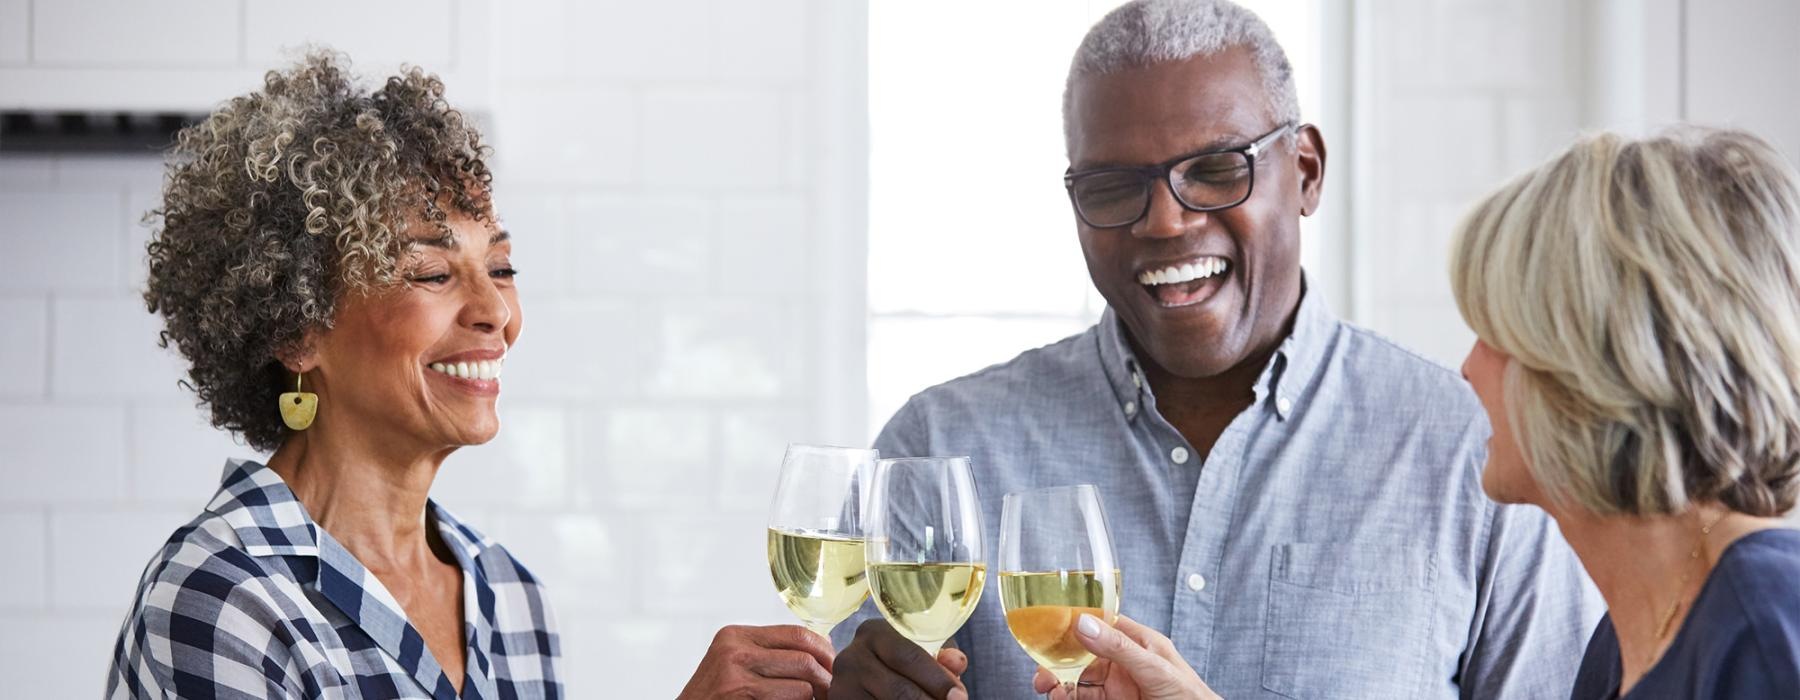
972 251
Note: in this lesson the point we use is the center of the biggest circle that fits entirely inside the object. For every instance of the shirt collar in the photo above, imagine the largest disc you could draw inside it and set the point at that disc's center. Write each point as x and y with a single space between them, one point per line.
1292 368
270 521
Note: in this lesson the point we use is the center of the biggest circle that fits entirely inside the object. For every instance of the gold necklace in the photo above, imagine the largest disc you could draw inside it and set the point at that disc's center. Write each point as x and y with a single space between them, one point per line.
1686 575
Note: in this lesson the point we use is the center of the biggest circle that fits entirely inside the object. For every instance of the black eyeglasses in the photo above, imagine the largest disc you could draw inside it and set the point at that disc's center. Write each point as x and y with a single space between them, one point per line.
1205 181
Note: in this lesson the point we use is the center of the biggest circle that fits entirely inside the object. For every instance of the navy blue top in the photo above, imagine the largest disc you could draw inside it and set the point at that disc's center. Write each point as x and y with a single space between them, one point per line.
1740 640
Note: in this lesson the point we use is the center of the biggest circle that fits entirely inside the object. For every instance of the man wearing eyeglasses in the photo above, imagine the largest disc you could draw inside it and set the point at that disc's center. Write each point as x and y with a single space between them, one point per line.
1295 502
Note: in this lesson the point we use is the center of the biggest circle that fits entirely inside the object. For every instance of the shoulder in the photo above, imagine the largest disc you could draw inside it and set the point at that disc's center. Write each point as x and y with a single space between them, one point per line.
1386 370
1038 370
202 570
1761 573
1742 639
1051 370
202 591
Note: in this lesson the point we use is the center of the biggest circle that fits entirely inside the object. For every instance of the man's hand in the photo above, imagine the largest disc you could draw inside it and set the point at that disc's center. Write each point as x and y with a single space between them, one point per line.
1134 662
879 663
784 662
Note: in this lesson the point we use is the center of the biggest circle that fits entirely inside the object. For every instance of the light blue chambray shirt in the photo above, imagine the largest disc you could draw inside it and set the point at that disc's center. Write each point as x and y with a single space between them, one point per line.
1335 544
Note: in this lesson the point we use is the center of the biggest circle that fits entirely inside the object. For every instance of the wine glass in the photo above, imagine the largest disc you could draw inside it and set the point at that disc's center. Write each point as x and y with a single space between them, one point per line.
925 547
816 533
1056 563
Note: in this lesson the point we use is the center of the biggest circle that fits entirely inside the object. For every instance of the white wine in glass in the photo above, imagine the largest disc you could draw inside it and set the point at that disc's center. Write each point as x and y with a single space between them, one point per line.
816 535
1056 564
925 549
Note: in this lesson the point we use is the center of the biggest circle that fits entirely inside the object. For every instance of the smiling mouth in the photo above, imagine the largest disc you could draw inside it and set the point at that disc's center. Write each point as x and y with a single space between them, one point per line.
1186 284
482 370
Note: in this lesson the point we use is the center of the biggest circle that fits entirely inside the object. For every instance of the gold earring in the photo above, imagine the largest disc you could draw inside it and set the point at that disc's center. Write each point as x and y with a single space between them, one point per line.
299 407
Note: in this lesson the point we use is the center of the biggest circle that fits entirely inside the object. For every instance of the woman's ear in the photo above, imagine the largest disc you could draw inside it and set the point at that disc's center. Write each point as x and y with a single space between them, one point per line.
300 356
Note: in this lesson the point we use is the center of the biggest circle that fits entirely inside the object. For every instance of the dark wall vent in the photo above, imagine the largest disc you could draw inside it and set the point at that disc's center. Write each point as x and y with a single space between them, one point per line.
138 133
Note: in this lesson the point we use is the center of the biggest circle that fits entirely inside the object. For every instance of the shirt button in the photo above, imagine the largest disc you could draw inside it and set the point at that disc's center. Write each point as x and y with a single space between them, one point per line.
1196 582
1179 454
1130 408
1283 405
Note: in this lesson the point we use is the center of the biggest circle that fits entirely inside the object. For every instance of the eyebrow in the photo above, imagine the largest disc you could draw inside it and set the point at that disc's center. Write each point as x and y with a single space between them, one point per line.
1230 142
450 241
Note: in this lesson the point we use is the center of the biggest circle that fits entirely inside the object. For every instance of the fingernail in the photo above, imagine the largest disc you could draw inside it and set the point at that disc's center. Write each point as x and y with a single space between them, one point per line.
958 694
1088 625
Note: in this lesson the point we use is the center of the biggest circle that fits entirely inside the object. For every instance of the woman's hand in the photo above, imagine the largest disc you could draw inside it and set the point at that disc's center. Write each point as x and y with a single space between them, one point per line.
1133 661
782 662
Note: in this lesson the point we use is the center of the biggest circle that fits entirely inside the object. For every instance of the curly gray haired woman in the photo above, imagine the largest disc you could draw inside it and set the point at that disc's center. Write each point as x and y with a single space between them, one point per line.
328 261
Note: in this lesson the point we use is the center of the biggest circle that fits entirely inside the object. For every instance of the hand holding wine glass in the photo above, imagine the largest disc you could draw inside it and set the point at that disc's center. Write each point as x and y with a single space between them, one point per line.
1132 662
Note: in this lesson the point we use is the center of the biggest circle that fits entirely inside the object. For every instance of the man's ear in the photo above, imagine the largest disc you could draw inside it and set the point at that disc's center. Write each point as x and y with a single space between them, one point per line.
1309 156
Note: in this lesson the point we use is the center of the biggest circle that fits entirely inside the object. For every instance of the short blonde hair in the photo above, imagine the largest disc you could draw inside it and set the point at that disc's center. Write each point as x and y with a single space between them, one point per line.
1649 294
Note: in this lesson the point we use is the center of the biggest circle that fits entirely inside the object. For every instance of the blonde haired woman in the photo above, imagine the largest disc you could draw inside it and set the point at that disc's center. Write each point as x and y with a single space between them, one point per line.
1637 305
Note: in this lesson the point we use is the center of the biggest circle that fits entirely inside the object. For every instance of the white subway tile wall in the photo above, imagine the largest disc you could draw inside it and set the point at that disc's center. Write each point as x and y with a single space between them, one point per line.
653 164
1460 96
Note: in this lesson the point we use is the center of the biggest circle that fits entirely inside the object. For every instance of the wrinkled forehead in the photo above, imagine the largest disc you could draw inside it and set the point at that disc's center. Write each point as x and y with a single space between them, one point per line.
1148 114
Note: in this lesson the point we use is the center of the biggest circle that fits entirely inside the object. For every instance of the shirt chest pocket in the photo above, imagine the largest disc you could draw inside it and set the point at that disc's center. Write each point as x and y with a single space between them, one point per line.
1348 621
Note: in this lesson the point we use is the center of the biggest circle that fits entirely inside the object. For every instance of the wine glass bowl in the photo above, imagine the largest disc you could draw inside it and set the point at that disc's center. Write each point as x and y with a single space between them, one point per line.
816 533
1056 563
925 552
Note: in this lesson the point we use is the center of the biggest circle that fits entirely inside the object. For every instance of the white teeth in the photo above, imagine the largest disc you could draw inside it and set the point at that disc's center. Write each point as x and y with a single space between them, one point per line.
479 369
1177 274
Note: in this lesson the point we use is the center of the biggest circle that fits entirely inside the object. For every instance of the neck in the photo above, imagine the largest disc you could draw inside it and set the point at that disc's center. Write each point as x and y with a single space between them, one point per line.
1646 566
369 495
1228 390
1197 406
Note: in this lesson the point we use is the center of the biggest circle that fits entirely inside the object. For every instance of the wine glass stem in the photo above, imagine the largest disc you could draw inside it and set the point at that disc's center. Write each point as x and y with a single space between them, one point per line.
823 629
1070 688
932 648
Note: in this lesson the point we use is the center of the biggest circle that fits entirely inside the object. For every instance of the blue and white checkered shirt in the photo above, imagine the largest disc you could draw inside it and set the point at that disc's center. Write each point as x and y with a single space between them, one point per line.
254 600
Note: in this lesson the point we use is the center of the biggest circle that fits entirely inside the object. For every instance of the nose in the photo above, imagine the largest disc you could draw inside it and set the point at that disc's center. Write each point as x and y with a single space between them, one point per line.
484 309
1165 218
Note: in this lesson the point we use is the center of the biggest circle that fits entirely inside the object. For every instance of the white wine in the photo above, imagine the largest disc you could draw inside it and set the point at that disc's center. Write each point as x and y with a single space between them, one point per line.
927 603
820 577
1043 606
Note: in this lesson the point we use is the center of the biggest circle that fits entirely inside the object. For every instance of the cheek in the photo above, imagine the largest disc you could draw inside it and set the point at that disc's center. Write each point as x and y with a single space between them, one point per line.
1505 477
404 331
1102 253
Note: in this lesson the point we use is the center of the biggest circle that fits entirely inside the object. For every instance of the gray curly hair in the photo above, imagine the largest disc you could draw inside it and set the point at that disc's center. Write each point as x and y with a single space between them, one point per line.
284 200
1148 32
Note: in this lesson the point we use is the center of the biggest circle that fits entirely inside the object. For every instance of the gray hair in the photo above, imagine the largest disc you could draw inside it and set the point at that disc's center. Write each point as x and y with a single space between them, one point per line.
1148 32
1648 292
